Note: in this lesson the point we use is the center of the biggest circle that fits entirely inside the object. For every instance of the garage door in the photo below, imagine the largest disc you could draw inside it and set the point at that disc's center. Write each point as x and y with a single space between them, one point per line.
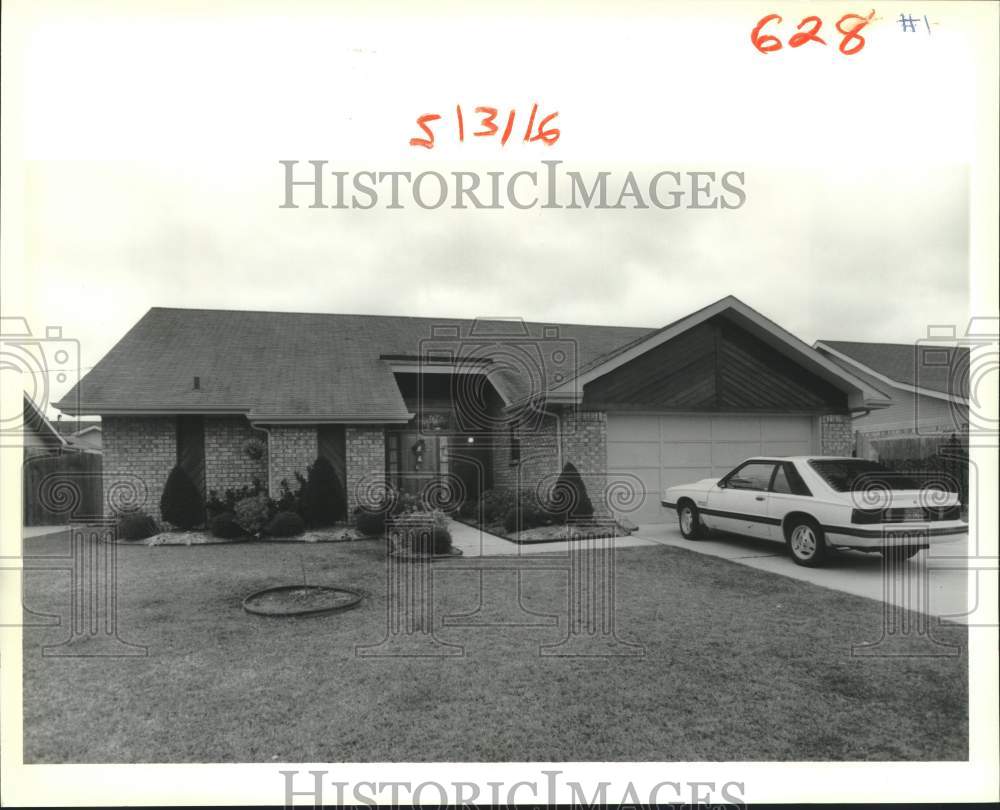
661 450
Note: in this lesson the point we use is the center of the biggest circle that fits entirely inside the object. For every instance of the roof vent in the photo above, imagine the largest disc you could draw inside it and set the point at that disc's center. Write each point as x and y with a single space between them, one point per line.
197 383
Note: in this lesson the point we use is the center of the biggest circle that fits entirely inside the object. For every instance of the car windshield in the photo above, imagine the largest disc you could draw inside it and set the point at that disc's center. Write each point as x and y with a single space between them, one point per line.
846 474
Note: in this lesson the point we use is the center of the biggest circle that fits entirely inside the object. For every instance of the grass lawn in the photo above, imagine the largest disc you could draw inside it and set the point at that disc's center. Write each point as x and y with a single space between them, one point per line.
739 664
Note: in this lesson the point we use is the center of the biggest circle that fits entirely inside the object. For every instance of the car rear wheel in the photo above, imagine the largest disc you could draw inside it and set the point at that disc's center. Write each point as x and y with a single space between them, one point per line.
806 543
690 521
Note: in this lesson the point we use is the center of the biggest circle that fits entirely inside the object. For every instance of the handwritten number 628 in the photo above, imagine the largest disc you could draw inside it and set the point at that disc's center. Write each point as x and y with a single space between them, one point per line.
849 26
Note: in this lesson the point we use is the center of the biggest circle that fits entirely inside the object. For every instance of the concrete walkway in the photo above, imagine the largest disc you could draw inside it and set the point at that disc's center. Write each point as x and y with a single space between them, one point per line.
28 532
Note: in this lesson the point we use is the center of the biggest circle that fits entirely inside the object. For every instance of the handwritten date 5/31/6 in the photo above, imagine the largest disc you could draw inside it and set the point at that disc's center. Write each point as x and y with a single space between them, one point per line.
849 27
483 123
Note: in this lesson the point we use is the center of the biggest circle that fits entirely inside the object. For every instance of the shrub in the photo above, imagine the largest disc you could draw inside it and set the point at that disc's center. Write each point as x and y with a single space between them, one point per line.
527 513
224 525
290 500
322 496
217 506
568 501
136 526
424 532
181 504
370 523
496 503
285 524
252 513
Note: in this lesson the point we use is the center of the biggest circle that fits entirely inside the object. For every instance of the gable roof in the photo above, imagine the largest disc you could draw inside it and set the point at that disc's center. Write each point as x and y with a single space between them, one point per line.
860 394
935 370
72 427
287 367
35 421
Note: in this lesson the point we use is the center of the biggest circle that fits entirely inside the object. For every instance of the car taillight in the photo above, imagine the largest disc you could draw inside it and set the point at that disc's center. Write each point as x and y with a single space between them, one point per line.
866 516
953 512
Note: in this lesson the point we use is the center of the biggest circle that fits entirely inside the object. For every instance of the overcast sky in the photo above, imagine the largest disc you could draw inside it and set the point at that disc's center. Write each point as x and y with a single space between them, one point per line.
152 177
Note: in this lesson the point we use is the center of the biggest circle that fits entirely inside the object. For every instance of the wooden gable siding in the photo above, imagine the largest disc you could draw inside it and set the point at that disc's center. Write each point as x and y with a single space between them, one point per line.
716 366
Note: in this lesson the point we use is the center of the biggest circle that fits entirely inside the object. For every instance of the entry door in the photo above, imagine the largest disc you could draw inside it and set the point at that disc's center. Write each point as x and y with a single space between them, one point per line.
419 459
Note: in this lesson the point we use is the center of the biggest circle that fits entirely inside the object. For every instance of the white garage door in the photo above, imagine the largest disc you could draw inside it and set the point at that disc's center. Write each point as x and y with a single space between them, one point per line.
661 450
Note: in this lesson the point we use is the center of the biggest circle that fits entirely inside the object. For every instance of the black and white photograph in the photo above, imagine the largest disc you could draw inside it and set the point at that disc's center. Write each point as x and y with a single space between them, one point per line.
514 404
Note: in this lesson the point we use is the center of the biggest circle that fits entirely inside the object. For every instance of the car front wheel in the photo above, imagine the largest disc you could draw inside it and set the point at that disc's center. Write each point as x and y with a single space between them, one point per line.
806 543
690 521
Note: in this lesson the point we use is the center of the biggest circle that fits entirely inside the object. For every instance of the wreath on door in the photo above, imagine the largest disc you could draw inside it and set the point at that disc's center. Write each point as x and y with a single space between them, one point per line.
418 453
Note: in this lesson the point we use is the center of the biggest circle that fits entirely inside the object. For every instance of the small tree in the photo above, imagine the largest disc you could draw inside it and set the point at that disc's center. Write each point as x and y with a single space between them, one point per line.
569 500
322 495
181 504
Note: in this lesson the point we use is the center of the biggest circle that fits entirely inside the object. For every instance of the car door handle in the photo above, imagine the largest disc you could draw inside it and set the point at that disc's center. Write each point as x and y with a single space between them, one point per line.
759 498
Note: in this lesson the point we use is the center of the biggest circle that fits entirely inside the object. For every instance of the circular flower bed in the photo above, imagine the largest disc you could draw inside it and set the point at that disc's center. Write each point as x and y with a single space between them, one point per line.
301 600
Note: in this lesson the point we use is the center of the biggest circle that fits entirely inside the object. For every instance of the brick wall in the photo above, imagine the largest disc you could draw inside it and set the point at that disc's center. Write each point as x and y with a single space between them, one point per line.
139 453
227 466
292 449
365 464
583 435
585 445
836 435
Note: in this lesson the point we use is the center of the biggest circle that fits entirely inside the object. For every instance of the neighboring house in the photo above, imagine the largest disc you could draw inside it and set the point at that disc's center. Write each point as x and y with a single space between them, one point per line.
80 434
454 407
40 436
929 387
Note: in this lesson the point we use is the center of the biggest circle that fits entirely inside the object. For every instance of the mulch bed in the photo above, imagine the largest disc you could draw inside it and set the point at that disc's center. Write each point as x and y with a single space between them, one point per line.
334 534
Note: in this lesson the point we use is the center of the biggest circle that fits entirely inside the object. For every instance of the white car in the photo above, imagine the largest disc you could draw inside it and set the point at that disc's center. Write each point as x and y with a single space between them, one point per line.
814 503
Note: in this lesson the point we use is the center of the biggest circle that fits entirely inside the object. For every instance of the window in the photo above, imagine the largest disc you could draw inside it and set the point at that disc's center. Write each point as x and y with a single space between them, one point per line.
853 474
755 475
788 481
780 483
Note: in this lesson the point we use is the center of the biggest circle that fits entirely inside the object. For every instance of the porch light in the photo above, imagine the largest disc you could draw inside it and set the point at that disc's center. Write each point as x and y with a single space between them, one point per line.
470 440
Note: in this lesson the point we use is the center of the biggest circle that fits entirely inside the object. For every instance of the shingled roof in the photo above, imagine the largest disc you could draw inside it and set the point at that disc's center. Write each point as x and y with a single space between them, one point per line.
285 366
944 369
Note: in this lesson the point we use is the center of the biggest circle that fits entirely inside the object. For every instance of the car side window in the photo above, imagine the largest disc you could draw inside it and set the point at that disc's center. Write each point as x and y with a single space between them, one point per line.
780 483
755 475
788 481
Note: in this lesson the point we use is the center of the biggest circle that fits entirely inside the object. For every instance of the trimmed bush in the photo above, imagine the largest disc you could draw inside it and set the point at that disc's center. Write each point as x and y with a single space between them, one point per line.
217 506
181 504
496 503
569 501
136 526
322 497
224 525
285 524
371 524
290 500
527 513
423 532
252 513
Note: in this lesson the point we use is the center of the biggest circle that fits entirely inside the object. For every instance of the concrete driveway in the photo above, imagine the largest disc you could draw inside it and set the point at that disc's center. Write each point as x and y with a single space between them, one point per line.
933 582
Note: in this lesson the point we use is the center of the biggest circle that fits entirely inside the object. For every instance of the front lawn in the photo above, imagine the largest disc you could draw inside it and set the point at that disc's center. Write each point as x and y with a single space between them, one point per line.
739 664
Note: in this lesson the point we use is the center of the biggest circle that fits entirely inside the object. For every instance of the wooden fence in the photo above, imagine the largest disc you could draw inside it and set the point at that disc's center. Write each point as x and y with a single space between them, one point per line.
58 489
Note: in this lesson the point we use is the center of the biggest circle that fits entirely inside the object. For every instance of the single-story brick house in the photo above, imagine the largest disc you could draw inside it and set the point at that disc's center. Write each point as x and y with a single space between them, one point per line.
928 384
452 407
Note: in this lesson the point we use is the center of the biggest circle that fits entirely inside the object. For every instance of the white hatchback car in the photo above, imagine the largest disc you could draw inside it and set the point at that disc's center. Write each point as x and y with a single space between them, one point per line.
813 503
